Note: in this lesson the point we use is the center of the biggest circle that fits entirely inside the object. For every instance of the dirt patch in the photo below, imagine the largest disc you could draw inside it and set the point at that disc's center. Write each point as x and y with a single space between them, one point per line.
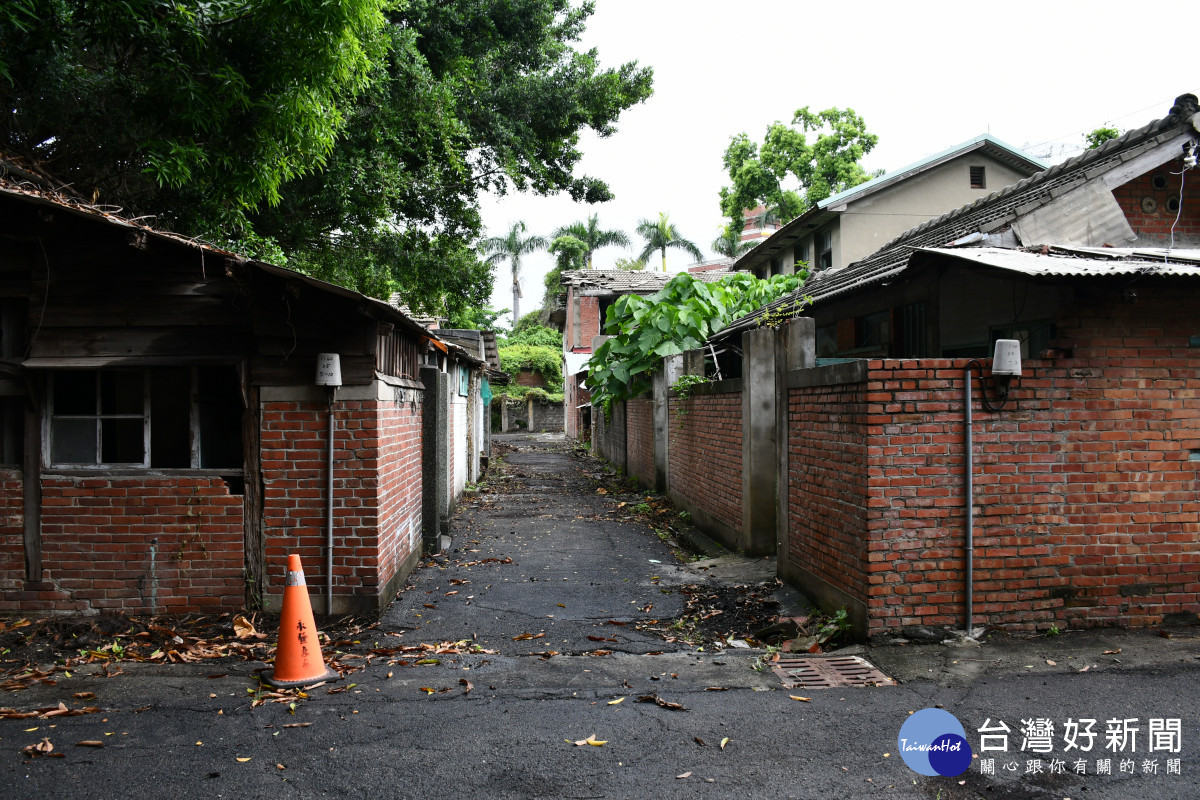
717 614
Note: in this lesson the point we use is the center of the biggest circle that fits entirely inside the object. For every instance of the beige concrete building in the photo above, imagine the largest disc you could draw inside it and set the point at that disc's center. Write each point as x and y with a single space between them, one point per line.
850 225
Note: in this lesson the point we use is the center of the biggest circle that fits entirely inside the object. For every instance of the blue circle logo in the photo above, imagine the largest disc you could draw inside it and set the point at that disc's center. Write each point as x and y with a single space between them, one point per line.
933 742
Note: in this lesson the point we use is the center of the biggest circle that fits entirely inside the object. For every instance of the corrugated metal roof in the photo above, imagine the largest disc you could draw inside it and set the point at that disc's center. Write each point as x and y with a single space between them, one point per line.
1063 263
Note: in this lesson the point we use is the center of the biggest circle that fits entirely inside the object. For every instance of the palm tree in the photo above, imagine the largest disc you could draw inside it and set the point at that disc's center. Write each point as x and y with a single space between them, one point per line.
730 244
661 235
590 234
512 247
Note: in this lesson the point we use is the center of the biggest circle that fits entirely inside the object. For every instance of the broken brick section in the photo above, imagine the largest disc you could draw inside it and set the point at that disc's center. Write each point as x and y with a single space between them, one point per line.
1086 484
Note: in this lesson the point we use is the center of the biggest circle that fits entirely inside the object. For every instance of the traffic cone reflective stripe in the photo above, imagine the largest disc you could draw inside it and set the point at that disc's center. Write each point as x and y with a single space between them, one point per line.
298 660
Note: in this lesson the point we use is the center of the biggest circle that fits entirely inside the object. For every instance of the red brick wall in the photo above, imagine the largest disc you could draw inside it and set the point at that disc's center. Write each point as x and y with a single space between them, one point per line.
12 532
589 320
528 377
639 440
146 544
377 492
1156 224
705 454
827 476
1086 501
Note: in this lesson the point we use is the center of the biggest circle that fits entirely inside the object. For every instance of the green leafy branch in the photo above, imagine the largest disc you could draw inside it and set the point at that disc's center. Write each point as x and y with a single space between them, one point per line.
680 317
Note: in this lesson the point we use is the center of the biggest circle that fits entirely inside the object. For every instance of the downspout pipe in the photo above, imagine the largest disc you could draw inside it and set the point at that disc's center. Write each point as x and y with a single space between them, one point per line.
970 484
329 513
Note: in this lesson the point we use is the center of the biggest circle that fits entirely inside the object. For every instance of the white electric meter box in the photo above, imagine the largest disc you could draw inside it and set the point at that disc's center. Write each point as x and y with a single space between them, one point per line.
329 369
1006 362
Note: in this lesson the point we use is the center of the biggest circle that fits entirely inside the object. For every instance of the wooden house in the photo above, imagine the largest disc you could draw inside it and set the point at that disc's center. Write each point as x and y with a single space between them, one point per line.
164 442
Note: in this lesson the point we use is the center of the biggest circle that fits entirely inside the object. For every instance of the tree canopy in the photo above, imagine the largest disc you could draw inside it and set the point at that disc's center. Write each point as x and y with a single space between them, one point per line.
730 244
352 138
593 236
661 234
681 316
512 247
825 166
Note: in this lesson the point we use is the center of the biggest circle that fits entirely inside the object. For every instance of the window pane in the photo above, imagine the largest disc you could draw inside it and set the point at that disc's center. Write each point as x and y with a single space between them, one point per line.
74 393
219 401
74 441
121 393
122 441
170 418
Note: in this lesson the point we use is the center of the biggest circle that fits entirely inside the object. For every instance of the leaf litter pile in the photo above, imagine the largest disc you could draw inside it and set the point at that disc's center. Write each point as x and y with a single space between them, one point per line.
718 616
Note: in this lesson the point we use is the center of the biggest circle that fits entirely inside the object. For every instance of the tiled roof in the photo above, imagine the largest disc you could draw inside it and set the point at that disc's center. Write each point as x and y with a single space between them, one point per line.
622 281
988 214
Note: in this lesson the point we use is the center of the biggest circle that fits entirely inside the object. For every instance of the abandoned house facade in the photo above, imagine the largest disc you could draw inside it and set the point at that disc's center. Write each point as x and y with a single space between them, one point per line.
165 442
867 444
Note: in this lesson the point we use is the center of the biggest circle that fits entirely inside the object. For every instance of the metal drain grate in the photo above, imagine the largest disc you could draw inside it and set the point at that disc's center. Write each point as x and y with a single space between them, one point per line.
826 672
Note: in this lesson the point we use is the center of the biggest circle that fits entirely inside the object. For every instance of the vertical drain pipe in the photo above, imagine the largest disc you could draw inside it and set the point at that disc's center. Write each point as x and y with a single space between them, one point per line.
970 479
329 373
329 514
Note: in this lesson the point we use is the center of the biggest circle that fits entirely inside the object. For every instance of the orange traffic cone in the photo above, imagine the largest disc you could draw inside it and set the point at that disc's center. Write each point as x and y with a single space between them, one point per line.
298 660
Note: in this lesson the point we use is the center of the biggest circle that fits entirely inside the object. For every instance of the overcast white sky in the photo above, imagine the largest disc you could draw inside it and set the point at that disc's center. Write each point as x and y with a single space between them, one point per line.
923 75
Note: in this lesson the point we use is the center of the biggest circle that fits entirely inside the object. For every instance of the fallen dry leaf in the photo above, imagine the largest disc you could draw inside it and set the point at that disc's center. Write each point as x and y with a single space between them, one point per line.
724 742
1051 663
84 695
297 725
684 775
653 698
699 741
1111 652
524 637
801 699
467 684
243 760
90 743
592 740
617 701
244 629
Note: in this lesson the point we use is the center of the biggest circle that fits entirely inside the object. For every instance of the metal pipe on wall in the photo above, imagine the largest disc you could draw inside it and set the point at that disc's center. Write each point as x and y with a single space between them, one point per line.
970 482
329 514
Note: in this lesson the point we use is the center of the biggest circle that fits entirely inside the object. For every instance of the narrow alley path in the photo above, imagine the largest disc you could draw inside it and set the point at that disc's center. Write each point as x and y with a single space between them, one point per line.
558 616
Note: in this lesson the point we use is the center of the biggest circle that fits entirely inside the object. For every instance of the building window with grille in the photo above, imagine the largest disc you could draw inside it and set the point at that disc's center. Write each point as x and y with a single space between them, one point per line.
978 179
